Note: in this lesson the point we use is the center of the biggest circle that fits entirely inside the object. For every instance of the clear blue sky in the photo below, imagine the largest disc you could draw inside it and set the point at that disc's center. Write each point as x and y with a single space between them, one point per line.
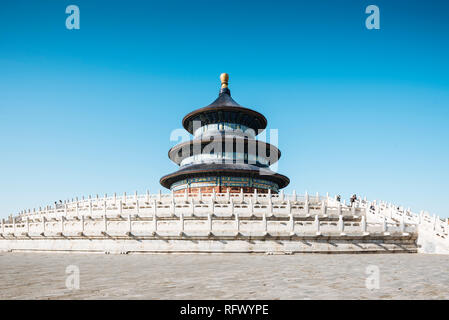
91 111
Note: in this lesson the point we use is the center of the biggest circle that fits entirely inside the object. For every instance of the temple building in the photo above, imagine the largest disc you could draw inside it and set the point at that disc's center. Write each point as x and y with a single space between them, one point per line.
224 154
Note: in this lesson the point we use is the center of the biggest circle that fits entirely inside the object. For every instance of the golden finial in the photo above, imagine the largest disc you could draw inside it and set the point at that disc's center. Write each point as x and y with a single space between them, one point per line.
224 77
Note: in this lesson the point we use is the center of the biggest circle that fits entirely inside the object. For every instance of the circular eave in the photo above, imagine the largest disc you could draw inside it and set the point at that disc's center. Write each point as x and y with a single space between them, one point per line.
186 148
230 114
281 180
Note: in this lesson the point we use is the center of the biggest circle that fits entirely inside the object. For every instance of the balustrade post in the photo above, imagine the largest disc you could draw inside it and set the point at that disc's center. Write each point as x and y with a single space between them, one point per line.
129 225
294 198
341 225
115 198
159 196
385 225
82 225
90 207
402 224
241 195
306 203
154 207
154 221
291 223
255 196
232 206
228 194
43 225
213 194
317 225
209 223
281 195
269 194
264 223
62 225
200 195
124 197
323 207
181 223
120 207
65 208
137 206
363 223
186 195
148 196
105 223
14 225
3 226
28 225
339 208
77 208
192 206
237 223
135 196
353 209
105 207
270 205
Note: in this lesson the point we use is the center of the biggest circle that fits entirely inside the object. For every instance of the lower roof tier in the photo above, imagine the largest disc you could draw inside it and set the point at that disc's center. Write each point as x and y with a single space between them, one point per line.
225 169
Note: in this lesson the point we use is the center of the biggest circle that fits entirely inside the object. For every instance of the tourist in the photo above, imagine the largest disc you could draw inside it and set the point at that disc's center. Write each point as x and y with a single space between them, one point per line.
338 198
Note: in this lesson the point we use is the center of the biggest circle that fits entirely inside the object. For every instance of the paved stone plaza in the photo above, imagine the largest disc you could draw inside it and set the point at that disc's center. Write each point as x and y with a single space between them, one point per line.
223 276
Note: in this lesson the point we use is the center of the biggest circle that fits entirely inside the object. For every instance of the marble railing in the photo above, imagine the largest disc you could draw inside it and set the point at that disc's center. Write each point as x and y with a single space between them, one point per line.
194 214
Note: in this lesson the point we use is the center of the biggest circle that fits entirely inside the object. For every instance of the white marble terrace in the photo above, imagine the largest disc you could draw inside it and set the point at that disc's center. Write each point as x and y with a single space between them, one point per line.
220 214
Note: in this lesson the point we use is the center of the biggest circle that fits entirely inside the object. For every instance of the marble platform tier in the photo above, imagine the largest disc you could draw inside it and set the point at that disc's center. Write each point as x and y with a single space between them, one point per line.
222 222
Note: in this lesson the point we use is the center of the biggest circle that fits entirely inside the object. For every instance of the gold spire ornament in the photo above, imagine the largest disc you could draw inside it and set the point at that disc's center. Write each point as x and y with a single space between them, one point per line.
224 77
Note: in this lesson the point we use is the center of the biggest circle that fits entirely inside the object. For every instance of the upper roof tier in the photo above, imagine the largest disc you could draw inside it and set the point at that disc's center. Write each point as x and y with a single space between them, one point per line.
225 109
